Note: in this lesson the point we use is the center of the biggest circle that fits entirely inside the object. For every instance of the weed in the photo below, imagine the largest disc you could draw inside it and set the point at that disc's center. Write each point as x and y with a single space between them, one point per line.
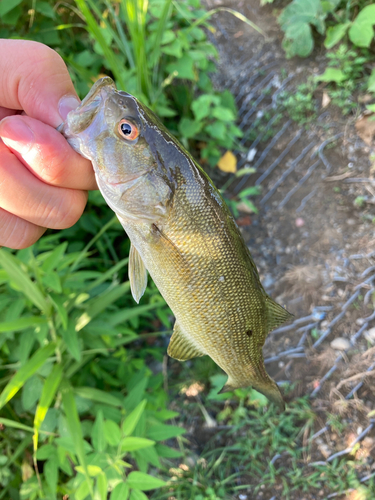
300 105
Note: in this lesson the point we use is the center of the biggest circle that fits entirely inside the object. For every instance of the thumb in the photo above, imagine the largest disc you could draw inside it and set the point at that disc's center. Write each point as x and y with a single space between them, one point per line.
35 79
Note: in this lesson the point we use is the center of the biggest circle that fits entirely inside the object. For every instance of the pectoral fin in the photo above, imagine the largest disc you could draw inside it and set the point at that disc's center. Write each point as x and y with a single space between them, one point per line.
137 274
181 347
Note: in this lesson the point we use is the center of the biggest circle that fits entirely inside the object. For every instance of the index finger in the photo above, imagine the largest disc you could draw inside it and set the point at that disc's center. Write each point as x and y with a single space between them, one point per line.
34 78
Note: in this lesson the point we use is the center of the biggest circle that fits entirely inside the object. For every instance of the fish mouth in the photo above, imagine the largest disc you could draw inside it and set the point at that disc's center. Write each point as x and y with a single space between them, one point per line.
81 118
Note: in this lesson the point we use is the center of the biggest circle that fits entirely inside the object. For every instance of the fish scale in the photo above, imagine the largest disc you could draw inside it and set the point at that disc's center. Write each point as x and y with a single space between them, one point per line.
183 234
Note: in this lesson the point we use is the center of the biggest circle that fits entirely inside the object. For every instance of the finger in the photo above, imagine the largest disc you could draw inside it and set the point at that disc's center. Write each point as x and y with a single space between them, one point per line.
22 194
34 78
17 233
46 153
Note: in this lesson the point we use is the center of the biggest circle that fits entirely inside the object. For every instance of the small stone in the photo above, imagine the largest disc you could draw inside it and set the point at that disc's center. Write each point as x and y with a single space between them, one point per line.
371 333
281 364
299 222
324 324
242 207
351 222
324 450
340 343
360 321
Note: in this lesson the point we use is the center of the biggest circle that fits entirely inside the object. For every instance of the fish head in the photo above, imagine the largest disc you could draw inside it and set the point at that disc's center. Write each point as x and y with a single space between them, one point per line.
108 130
112 129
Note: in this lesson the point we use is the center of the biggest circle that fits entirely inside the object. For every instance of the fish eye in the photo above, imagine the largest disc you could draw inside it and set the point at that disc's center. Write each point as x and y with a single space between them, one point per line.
128 130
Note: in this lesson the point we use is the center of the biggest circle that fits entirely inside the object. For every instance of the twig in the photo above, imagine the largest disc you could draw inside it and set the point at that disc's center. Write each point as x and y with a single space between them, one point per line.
354 377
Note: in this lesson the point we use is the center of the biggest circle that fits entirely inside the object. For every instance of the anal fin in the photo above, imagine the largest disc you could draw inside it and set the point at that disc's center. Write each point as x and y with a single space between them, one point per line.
137 274
181 347
276 315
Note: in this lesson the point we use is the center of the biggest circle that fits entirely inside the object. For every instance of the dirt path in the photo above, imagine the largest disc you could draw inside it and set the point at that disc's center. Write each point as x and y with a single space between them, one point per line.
313 239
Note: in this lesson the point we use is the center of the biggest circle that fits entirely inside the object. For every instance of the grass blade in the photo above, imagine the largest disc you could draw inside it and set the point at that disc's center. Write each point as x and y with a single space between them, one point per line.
127 314
13 268
21 324
17 381
98 396
98 304
83 253
75 429
94 29
50 387
235 13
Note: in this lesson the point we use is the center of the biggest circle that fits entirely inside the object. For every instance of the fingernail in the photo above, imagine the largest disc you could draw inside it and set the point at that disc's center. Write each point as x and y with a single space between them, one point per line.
16 134
67 103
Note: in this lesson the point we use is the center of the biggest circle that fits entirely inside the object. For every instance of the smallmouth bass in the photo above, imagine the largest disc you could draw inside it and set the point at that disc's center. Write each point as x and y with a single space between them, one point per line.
182 233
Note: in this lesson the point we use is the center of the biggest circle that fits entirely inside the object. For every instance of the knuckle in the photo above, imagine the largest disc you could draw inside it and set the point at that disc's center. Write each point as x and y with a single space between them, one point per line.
67 212
17 233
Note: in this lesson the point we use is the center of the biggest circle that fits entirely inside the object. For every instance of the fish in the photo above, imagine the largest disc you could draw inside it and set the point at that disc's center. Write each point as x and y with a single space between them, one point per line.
182 233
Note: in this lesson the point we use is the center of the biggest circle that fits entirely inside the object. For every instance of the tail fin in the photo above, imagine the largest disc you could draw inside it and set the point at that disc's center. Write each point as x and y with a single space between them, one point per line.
267 387
272 392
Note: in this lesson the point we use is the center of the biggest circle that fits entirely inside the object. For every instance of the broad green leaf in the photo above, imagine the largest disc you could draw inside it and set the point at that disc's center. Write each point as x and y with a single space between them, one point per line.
332 75
93 470
138 495
135 443
58 302
335 34
34 363
173 49
52 261
7 5
120 492
131 420
31 392
21 324
161 432
223 114
97 433
75 430
144 482
50 471
97 395
184 67
112 433
167 452
84 490
149 456
135 396
102 486
50 387
46 451
70 337
52 280
217 130
371 82
14 269
189 128
361 32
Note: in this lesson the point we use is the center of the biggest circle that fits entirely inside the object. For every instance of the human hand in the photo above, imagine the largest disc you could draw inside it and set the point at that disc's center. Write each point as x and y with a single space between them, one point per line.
43 182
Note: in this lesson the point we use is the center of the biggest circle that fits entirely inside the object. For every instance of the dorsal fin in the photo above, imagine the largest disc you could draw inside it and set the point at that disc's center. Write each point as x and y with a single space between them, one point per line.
276 315
181 347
